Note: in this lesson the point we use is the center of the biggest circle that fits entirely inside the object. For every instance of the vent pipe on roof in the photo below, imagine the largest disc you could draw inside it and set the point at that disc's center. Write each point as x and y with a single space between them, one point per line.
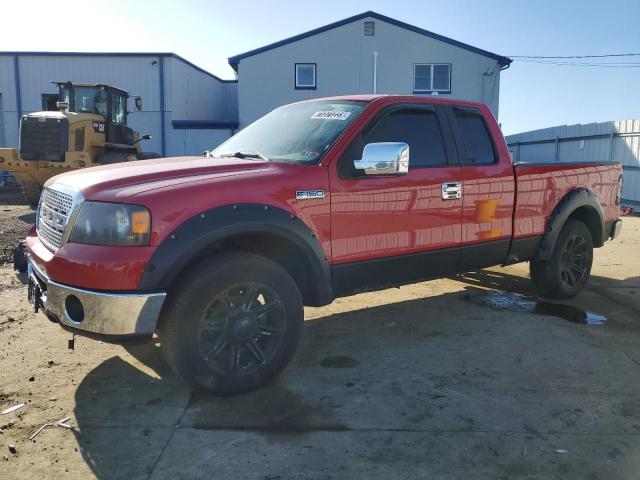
375 72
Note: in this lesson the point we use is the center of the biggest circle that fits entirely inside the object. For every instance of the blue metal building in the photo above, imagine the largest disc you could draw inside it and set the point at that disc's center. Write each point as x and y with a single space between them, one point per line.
185 108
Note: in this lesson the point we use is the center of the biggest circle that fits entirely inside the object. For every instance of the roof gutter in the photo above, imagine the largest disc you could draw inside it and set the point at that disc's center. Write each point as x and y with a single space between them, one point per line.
506 65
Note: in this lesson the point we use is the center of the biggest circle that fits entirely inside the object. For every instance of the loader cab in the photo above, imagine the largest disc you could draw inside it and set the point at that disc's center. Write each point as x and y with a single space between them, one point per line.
105 100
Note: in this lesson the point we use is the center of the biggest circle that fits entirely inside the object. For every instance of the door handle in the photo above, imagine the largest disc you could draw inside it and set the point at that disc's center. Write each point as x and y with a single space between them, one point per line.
451 190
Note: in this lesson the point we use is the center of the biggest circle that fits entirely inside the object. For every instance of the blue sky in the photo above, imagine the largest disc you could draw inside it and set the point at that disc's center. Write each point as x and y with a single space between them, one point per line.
207 32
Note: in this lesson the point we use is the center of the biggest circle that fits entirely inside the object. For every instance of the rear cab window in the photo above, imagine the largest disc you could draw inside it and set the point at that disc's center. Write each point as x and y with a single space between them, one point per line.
474 136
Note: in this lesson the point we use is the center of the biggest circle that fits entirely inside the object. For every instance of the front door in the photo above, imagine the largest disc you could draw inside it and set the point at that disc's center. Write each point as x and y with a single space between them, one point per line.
388 230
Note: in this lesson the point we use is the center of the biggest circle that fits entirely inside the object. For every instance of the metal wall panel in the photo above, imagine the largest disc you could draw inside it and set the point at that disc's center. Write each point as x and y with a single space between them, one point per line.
2 140
137 75
197 95
617 141
9 121
193 141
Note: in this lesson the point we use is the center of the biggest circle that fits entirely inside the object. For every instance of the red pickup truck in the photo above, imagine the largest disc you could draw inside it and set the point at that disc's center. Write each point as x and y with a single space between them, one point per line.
316 200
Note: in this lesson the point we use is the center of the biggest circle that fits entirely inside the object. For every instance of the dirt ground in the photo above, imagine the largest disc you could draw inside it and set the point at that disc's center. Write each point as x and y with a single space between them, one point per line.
424 381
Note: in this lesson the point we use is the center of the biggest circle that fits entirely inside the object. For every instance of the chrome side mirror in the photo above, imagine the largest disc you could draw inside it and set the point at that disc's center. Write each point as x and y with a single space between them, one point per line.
384 158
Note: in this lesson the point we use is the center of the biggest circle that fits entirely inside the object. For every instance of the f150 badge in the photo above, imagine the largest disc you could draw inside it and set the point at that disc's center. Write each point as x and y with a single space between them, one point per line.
309 194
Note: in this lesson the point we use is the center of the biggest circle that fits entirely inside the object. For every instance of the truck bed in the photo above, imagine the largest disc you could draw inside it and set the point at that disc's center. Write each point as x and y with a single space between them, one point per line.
540 185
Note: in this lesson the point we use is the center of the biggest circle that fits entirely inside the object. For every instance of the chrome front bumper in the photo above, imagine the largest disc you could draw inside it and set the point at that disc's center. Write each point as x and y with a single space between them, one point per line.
95 313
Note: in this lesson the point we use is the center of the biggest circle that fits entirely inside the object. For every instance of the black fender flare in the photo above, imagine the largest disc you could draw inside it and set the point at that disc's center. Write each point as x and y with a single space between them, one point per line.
197 234
572 201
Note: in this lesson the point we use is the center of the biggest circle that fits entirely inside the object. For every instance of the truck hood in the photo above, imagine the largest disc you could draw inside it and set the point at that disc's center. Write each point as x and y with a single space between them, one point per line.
129 178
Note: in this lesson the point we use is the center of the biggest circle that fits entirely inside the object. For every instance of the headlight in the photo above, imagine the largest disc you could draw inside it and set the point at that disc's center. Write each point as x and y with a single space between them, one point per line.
101 223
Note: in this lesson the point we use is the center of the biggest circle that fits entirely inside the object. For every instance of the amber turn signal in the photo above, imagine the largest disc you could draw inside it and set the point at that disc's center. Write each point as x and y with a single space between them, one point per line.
140 222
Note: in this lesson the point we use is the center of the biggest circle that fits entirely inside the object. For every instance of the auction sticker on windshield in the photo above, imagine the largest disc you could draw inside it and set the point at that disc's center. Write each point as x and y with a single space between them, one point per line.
331 115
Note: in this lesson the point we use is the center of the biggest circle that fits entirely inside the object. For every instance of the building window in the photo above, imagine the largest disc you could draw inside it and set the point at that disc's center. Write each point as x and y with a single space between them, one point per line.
49 101
432 77
369 29
305 76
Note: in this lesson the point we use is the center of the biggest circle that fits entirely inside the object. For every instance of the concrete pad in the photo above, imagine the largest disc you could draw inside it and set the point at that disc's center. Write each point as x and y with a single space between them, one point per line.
396 454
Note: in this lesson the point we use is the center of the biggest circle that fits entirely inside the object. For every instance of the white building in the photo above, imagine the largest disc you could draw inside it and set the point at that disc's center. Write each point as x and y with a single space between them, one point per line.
367 53
188 110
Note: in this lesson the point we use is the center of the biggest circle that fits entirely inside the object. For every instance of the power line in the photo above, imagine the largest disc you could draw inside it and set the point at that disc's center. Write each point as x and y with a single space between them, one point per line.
582 64
577 56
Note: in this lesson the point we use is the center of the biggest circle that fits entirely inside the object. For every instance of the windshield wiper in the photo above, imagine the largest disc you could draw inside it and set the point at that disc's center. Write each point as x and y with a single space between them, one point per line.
243 155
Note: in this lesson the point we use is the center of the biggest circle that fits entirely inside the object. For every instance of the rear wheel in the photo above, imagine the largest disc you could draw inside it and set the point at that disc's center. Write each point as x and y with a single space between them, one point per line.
567 271
233 323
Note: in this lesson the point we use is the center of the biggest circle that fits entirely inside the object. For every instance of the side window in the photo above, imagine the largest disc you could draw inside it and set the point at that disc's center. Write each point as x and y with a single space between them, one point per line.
118 109
419 128
50 102
476 138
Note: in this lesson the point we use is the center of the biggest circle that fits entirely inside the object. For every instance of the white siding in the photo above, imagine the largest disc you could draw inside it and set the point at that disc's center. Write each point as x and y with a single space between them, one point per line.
344 58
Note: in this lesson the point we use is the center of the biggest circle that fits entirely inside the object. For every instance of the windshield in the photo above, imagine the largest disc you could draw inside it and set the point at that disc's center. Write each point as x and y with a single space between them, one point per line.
301 132
86 100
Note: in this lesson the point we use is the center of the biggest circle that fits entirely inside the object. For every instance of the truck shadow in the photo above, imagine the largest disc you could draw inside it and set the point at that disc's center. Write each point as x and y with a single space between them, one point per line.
353 371
625 292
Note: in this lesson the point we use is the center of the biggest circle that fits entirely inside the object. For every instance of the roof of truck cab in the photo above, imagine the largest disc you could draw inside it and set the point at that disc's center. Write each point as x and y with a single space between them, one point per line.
396 97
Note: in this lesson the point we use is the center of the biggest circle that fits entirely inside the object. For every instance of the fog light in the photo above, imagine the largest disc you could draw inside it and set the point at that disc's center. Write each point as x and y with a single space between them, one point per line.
73 308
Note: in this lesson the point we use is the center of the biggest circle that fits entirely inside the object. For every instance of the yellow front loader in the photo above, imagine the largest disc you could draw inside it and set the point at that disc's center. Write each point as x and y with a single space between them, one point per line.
89 128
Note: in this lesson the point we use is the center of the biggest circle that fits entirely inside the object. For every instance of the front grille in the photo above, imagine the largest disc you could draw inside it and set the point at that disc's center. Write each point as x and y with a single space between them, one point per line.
43 138
53 215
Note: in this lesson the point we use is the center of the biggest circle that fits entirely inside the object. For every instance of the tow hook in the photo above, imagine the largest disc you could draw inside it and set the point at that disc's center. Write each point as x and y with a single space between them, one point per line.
34 295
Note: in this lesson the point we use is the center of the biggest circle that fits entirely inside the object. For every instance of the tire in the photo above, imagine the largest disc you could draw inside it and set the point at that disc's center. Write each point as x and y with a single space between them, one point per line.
232 323
32 191
109 158
568 269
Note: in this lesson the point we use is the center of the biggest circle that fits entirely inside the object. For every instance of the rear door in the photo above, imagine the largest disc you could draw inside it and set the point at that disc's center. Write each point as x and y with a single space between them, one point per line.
488 190
396 229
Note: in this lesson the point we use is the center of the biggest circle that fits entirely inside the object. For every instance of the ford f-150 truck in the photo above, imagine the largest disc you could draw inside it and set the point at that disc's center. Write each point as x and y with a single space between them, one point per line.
316 200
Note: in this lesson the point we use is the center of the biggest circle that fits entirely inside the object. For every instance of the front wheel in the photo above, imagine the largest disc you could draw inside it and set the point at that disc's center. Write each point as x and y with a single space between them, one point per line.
232 323
567 271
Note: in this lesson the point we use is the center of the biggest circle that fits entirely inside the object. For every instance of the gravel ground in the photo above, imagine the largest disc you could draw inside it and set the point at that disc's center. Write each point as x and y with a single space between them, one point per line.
424 381
15 217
